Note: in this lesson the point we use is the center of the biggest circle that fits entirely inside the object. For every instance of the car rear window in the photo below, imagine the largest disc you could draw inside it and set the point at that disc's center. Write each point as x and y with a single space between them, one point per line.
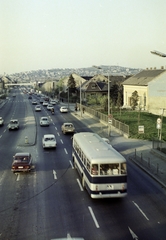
21 159
49 139
68 125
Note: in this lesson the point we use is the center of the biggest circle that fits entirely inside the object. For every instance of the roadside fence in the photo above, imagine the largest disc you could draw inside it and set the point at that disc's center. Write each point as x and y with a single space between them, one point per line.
147 163
122 128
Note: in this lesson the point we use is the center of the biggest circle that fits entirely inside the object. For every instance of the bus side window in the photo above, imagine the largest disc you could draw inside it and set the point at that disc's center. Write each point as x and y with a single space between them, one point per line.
88 165
94 169
123 168
115 170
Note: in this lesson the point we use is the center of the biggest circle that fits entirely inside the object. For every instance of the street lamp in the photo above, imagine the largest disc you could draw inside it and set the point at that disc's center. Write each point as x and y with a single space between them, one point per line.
80 99
108 90
158 53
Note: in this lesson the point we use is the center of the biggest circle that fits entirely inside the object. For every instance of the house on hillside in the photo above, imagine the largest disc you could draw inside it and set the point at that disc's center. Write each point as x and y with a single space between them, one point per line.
98 85
151 87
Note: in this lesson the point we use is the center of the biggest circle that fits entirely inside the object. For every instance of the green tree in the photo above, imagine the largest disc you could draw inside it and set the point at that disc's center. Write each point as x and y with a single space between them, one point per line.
134 100
114 93
119 100
71 83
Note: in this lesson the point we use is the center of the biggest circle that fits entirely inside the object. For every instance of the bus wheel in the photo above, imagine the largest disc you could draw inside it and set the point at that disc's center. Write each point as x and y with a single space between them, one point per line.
83 182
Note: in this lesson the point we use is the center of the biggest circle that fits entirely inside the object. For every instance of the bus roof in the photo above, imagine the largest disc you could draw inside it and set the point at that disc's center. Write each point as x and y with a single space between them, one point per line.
96 149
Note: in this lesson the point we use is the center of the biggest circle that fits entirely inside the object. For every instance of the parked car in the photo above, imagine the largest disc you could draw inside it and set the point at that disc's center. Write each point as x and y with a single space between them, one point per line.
30 97
22 162
67 128
1 121
49 141
49 107
44 121
63 109
38 108
13 124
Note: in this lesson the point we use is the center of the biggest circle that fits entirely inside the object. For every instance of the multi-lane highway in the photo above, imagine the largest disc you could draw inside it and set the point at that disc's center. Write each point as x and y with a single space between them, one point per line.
49 202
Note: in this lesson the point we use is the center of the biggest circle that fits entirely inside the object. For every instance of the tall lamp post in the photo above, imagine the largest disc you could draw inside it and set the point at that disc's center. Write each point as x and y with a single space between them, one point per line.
80 99
109 130
158 53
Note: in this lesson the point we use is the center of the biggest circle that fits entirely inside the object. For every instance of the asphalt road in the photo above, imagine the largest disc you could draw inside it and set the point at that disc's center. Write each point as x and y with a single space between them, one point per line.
49 202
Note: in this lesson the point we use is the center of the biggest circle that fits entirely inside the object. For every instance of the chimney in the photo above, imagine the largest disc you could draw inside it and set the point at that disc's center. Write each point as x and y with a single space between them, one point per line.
154 68
162 67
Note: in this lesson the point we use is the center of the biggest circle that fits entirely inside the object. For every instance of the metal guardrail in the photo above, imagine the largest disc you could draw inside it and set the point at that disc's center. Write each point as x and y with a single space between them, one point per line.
159 145
121 127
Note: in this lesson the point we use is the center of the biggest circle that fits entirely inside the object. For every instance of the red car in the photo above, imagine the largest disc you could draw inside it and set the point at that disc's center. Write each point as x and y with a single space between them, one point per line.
22 162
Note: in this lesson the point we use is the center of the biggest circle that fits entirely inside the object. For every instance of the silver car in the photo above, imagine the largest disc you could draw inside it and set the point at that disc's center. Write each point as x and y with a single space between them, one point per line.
68 128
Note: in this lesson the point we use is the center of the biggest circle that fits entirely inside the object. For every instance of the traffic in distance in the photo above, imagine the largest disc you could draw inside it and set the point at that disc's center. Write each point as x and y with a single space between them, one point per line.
70 183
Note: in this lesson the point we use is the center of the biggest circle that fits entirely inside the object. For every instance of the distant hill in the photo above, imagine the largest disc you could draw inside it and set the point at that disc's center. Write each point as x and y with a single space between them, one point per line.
59 73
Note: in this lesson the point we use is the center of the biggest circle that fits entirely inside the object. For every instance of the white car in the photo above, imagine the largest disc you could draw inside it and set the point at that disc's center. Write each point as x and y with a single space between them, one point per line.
53 102
1 121
63 109
45 103
37 108
34 102
49 107
49 141
44 121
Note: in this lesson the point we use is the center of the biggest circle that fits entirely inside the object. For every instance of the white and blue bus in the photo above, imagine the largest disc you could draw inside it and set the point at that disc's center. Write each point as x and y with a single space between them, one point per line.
103 169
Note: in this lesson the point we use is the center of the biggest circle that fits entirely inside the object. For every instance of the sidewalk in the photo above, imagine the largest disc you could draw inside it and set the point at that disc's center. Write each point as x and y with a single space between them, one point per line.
139 151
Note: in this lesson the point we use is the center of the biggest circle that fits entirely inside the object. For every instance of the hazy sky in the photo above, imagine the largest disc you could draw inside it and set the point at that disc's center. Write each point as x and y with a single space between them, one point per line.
46 34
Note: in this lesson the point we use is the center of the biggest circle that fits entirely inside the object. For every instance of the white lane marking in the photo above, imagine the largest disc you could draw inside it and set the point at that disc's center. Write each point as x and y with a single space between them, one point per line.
93 216
54 173
65 151
134 236
80 185
0 136
55 128
18 177
141 210
61 141
58 134
71 164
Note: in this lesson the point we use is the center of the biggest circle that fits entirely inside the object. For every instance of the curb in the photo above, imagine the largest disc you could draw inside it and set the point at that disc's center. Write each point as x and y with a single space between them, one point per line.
148 172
